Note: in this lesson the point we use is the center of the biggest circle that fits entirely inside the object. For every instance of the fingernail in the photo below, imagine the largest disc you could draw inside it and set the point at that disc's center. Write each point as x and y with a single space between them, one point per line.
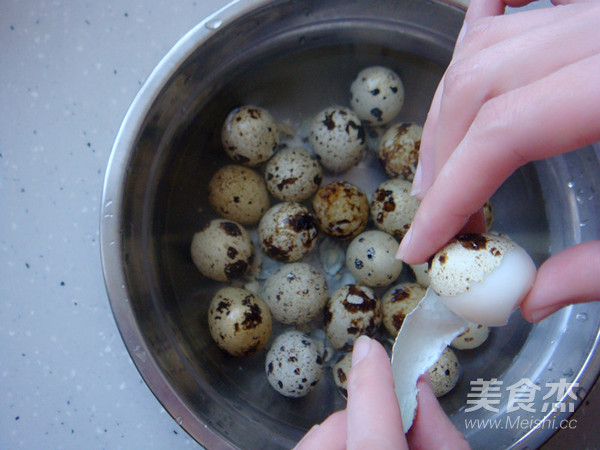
538 315
417 184
463 32
401 253
361 349
311 431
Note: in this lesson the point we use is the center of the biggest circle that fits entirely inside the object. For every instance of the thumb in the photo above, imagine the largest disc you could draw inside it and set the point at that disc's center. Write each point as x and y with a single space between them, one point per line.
571 276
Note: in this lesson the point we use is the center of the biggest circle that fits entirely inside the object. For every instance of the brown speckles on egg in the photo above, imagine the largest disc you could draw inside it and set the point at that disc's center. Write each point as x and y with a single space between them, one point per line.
376 252
377 95
398 302
398 150
393 208
293 174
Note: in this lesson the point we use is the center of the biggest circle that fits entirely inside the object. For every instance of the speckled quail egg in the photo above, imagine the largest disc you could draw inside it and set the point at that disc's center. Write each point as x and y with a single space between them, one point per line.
341 370
377 95
351 311
370 257
296 293
341 209
482 277
488 214
474 336
238 193
239 321
393 208
222 250
287 231
249 135
398 302
444 373
293 364
398 150
293 174
337 137
421 272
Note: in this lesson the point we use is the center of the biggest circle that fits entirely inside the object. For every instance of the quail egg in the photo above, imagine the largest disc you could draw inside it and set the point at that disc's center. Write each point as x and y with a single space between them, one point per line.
482 277
444 373
371 258
239 321
398 302
393 208
293 174
421 272
238 193
377 95
351 311
296 293
341 370
287 231
474 336
398 150
222 250
337 137
250 135
341 209
293 364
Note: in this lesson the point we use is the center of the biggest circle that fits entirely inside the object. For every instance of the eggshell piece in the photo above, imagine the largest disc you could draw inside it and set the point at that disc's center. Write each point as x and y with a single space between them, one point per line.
239 321
293 174
370 257
377 94
474 336
393 208
444 374
398 150
398 302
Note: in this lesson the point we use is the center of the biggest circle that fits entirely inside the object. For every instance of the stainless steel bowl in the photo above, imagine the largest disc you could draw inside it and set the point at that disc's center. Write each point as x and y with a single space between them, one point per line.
295 57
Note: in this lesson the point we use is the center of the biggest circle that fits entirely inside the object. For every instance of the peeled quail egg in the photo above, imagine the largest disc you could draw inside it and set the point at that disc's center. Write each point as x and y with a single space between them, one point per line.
238 193
371 258
337 137
250 135
293 364
287 231
398 302
341 209
393 208
474 336
398 150
293 174
341 370
351 311
296 293
482 277
222 250
444 373
377 95
239 321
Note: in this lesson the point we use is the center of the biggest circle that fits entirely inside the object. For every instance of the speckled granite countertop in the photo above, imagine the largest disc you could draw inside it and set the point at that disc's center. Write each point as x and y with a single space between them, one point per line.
69 70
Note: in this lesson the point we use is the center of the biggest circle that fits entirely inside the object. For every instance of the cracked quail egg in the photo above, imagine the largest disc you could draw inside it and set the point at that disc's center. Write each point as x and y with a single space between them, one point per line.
293 174
337 137
377 95
444 373
398 150
239 321
341 209
370 257
474 336
351 311
293 364
398 302
296 293
393 208
222 250
250 135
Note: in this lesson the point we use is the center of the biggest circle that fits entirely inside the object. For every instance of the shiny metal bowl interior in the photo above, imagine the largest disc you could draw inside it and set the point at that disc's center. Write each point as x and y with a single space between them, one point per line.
293 58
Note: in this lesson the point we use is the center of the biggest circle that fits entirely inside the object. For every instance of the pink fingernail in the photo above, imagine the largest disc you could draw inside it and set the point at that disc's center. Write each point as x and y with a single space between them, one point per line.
401 253
361 349
417 184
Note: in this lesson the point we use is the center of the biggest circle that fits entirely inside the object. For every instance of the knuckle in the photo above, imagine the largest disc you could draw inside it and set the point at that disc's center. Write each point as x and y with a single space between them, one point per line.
459 78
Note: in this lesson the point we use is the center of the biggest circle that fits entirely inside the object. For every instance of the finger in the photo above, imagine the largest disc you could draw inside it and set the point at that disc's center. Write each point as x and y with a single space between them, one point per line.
331 434
485 8
571 276
520 126
432 428
374 419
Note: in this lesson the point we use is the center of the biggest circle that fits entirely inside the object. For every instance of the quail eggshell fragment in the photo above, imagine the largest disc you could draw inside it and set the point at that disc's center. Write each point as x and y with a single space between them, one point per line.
296 293
250 135
377 95
393 208
474 336
287 231
341 370
293 364
293 174
398 302
341 209
444 373
482 277
238 193
337 137
370 257
398 150
351 311
239 321
222 250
